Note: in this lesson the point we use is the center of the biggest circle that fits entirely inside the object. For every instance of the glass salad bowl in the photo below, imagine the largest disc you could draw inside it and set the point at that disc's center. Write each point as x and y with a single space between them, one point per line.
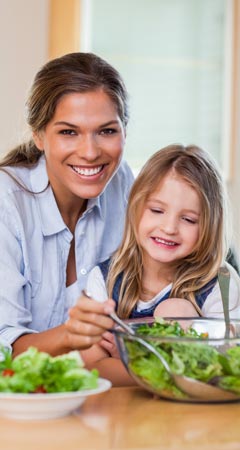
205 350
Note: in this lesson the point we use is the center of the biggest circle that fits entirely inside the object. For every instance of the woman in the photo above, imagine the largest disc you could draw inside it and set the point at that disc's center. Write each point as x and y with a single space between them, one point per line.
62 204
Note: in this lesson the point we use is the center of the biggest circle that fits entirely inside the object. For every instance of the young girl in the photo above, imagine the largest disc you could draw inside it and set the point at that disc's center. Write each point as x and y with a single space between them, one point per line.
173 245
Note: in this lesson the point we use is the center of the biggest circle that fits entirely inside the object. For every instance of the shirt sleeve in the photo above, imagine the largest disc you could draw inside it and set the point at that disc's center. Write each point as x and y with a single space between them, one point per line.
15 315
96 286
213 306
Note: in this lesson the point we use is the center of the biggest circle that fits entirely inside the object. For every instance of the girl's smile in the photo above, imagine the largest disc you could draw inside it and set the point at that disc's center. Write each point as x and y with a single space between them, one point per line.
164 242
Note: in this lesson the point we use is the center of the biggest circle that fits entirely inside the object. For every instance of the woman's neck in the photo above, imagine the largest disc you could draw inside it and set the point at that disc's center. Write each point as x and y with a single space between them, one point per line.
71 213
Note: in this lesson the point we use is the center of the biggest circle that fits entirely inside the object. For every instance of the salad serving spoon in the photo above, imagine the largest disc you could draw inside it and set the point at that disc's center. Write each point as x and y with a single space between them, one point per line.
195 389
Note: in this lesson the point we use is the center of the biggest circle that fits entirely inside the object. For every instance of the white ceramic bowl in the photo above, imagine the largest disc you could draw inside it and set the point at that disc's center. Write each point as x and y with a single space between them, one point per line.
46 406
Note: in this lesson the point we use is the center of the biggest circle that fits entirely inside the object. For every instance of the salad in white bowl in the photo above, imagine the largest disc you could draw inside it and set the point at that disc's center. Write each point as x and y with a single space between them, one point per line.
36 385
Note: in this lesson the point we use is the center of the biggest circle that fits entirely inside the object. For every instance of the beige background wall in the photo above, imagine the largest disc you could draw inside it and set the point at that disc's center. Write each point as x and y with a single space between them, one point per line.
23 49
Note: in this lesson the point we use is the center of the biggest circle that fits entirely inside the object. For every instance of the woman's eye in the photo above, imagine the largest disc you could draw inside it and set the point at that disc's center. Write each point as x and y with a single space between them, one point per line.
108 131
68 132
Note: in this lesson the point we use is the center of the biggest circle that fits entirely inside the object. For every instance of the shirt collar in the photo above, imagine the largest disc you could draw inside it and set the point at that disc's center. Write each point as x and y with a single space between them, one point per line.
96 203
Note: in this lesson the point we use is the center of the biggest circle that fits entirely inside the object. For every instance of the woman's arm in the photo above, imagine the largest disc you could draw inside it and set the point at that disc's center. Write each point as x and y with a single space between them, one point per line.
87 322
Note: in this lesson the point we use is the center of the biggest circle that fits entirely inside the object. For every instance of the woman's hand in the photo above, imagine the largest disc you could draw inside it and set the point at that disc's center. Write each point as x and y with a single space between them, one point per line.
87 322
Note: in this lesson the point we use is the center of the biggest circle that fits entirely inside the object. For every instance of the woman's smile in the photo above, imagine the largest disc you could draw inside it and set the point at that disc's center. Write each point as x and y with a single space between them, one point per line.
88 171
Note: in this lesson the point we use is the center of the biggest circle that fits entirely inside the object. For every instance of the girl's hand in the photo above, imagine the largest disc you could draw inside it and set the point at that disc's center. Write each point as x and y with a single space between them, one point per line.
87 322
109 344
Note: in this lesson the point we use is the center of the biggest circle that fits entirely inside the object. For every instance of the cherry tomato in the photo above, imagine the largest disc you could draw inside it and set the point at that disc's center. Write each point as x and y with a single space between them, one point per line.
8 373
40 390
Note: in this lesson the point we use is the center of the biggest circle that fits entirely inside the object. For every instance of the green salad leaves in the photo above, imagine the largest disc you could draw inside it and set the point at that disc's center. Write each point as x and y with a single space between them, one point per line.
195 360
38 372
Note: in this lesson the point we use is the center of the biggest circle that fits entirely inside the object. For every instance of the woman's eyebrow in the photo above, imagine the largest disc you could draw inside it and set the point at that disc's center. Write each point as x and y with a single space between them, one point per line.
110 122
66 124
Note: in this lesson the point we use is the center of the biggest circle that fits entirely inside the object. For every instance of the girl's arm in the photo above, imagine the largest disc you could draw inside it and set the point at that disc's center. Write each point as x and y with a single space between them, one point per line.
175 307
111 368
87 322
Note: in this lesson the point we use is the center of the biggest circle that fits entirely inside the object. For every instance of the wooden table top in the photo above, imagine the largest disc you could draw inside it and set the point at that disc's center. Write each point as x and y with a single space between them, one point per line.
130 418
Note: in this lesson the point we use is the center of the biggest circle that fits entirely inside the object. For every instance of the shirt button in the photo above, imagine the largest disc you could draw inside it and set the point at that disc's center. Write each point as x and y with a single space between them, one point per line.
83 271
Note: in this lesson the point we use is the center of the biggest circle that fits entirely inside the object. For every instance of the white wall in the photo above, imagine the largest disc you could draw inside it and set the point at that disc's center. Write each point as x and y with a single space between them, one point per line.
23 49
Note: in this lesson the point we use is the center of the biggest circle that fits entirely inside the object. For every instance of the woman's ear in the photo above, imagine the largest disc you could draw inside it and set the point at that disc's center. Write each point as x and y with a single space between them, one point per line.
38 140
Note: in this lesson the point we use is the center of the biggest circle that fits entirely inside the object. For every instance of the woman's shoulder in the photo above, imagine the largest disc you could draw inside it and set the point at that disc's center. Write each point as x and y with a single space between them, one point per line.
124 175
125 169
117 190
22 178
13 178
10 187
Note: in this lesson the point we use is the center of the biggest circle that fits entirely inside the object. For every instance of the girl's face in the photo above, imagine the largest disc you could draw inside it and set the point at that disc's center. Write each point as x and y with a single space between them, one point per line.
83 145
169 227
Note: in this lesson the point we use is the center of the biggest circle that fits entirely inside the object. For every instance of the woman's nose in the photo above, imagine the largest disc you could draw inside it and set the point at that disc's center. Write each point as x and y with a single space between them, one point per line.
88 148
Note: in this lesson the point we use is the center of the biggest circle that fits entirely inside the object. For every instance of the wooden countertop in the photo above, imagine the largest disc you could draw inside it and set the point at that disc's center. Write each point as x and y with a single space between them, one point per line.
130 418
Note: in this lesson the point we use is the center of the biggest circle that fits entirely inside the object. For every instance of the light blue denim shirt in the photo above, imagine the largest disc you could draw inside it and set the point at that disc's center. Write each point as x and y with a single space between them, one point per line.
35 243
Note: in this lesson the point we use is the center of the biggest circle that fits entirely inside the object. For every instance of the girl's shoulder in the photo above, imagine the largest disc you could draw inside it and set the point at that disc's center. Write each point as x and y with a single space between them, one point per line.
213 305
96 284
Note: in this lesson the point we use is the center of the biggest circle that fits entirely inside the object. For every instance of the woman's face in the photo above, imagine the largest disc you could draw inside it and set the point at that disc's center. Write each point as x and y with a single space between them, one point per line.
83 145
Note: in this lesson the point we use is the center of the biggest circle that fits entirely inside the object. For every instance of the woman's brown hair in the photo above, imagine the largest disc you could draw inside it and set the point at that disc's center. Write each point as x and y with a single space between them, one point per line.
71 73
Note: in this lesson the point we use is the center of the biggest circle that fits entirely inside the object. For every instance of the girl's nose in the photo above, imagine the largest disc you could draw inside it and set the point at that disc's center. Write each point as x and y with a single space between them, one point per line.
169 224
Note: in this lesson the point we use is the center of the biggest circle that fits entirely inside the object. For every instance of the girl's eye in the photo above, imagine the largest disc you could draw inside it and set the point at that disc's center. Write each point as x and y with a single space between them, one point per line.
68 132
189 220
108 131
156 210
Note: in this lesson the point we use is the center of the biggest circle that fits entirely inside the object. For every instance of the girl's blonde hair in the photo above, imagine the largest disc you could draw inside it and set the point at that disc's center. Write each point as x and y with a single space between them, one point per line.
193 272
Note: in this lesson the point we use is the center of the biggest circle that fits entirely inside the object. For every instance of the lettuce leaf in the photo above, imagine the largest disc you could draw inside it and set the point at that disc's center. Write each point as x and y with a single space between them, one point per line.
32 370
